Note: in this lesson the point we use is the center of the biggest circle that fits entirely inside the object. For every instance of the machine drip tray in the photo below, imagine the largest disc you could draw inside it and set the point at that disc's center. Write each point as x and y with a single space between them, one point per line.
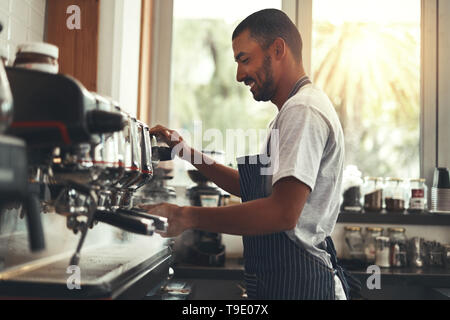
107 272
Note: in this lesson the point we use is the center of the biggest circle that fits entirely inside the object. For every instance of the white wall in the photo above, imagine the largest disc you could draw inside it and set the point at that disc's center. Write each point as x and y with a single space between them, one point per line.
119 46
23 21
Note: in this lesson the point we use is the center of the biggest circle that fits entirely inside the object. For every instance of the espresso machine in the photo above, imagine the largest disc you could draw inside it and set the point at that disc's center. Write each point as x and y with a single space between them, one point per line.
87 159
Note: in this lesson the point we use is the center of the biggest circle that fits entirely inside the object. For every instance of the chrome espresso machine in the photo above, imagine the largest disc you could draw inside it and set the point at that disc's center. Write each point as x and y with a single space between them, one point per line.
72 162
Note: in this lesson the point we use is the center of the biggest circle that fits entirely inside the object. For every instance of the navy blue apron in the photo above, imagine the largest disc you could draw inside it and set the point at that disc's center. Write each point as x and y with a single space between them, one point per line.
277 268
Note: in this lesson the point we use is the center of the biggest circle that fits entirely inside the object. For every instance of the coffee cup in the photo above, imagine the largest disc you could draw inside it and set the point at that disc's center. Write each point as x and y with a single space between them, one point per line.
441 178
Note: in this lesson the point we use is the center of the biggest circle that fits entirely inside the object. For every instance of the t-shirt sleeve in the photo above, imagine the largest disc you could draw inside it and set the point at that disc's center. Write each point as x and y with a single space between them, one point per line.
302 138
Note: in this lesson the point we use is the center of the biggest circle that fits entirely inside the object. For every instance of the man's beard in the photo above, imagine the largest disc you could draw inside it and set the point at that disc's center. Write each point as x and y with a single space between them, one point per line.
267 90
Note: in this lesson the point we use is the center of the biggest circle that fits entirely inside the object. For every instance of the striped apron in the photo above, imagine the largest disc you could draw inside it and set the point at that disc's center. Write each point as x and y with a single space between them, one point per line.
277 268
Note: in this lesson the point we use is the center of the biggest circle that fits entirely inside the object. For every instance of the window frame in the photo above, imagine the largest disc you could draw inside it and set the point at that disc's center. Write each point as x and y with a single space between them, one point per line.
435 68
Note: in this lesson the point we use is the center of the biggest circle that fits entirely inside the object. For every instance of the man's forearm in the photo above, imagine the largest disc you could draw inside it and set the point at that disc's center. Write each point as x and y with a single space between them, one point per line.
223 176
257 217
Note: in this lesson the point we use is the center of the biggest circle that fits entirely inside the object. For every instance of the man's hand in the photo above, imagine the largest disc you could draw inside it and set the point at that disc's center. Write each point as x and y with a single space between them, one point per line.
171 137
177 220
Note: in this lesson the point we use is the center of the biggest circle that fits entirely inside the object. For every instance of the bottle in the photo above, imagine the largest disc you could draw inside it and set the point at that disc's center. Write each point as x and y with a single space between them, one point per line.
37 56
382 252
418 195
415 252
398 247
394 195
370 243
354 244
373 194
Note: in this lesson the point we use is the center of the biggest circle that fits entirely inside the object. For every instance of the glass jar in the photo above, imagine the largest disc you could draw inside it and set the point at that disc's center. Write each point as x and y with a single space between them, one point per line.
398 247
38 56
351 185
435 254
447 256
373 194
382 252
417 196
354 243
370 243
394 195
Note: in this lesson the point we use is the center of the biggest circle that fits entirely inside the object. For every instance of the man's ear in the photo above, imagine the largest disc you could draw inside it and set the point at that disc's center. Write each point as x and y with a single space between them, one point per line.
279 48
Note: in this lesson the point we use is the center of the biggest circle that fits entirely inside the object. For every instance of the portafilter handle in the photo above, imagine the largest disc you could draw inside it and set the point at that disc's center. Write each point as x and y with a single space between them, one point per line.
160 223
126 222
160 153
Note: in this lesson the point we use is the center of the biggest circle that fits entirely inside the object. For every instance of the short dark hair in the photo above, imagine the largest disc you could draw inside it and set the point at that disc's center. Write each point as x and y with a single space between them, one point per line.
267 25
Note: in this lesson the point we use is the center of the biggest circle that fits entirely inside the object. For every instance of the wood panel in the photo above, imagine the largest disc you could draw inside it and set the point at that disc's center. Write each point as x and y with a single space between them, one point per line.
78 48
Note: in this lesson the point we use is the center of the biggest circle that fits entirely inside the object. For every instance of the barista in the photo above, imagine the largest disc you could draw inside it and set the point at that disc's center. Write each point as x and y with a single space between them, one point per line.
287 216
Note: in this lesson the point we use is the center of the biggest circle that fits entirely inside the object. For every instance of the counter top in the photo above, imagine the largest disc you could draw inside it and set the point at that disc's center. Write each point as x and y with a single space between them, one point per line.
113 271
433 277
234 270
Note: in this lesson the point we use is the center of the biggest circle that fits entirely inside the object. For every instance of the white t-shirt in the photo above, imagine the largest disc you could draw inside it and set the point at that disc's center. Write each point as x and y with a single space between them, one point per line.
311 149
309 146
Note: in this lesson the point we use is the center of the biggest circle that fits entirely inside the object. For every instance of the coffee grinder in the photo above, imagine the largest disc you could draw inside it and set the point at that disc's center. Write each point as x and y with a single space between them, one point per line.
14 187
206 248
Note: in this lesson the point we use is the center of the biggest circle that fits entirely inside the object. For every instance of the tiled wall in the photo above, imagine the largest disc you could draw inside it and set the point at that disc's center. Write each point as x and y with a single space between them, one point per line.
23 21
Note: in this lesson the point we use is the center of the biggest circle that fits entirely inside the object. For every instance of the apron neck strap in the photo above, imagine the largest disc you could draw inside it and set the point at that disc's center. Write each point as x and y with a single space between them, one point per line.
298 85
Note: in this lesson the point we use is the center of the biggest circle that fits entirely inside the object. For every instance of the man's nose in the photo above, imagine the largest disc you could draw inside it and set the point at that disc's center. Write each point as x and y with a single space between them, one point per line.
240 74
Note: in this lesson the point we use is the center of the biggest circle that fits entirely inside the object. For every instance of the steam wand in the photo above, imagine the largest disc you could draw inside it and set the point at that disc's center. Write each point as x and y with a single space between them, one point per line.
71 212
92 208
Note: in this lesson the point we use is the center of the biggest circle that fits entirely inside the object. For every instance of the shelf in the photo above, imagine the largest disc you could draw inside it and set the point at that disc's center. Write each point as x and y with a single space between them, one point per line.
429 219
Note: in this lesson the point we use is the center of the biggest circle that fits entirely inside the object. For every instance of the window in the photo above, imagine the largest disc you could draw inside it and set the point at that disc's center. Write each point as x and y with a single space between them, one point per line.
366 55
406 153
204 91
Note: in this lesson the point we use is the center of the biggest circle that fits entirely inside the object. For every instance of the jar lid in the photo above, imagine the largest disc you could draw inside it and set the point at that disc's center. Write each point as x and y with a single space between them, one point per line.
350 228
43 48
374 178
396 229
418 180
374 229
394 179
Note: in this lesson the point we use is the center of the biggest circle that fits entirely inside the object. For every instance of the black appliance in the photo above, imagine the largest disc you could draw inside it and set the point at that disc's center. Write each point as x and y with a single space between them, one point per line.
206 248
14 187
